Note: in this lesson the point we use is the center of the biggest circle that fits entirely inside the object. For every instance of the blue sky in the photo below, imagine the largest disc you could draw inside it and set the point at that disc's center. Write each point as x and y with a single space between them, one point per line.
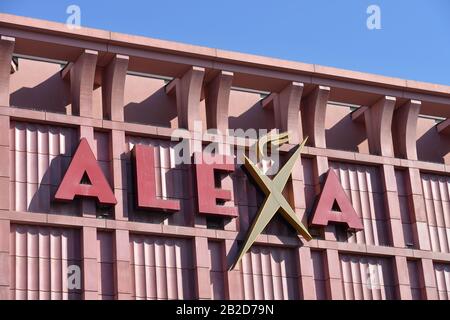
413 42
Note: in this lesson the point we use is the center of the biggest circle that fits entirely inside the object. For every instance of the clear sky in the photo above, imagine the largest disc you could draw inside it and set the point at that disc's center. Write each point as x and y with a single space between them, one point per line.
413 42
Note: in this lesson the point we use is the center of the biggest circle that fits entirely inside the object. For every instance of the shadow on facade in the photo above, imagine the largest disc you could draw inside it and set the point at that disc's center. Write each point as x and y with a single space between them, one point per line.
52 95
157 110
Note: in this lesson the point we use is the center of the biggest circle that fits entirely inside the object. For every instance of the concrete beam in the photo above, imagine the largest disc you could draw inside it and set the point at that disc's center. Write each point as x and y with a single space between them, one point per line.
113 87
6 51
404 129
217 95
313 111
187 90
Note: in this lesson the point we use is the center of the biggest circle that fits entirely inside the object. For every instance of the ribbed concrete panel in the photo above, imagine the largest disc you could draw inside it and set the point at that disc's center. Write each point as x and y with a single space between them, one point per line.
40 155
319 274
437 206
270 273
171 181
102 151
247 198
162 268
442 272
40 257
367 278
414 280
363 186
218 269
405 210
105 265
308 180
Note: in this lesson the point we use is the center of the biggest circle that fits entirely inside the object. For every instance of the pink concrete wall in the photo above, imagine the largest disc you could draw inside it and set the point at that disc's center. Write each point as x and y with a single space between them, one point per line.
442 273
437 207
143 100
34 146
309 183
415 280
102 151
269 273
246 110
432 146
40 155
40 257
246 199
405 208
338 124
162 268
319 275
216 253
367 278
105 260
38 85
145 254
363 186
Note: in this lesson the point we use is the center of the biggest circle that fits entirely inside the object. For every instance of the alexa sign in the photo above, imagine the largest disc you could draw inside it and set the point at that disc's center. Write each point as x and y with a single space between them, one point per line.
333 205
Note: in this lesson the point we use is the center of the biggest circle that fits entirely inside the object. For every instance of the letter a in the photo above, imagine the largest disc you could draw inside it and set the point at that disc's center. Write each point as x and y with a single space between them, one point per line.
84 164
334 205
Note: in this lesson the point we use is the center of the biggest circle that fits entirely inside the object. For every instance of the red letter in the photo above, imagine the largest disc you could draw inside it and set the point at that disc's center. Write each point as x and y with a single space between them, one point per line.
144 157
84 162
207 193
334 205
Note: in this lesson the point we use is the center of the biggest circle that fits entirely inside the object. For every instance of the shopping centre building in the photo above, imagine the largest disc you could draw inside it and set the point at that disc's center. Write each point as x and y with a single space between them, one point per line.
94 203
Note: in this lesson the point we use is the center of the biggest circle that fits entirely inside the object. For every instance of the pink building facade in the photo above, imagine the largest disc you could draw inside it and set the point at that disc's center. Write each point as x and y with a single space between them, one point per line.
387 140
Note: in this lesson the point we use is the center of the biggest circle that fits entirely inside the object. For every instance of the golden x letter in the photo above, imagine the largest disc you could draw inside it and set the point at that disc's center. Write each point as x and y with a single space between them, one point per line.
274 201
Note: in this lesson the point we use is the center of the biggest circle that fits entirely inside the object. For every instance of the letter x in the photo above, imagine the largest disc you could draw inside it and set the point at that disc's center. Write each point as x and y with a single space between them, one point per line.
274 201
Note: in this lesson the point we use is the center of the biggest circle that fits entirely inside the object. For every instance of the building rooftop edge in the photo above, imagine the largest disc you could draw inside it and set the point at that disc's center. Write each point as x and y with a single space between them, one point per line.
50 27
